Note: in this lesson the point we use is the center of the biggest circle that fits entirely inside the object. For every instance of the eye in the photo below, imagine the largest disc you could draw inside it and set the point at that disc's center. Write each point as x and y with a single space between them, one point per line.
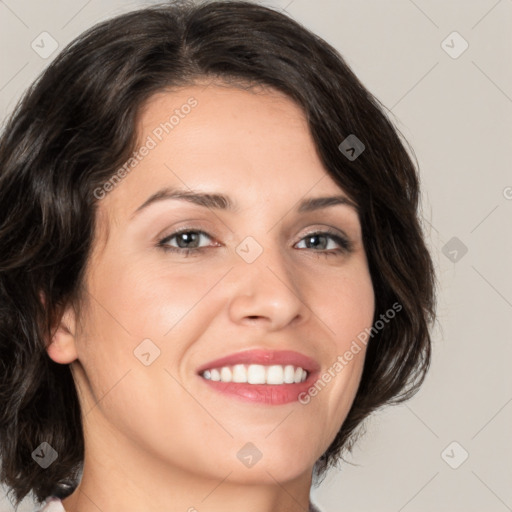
188 242
321 239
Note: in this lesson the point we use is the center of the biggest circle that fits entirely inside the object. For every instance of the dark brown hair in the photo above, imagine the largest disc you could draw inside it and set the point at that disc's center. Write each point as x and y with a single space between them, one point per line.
76 125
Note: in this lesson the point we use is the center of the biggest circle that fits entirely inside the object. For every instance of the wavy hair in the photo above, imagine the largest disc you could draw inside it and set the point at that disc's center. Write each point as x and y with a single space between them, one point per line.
76 124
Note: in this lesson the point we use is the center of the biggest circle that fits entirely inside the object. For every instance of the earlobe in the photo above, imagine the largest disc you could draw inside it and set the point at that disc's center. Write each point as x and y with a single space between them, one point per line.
62 348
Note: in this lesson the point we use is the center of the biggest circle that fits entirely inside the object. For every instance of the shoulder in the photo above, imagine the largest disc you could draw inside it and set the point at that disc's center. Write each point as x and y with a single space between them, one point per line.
51 504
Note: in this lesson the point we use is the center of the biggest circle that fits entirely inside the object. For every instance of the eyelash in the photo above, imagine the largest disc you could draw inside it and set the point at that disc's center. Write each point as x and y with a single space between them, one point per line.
346 245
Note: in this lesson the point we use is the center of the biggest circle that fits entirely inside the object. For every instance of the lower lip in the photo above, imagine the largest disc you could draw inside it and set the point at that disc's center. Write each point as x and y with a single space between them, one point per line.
267 394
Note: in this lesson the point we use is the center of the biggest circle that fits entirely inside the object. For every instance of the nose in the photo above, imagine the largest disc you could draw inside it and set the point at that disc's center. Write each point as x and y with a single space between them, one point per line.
268 292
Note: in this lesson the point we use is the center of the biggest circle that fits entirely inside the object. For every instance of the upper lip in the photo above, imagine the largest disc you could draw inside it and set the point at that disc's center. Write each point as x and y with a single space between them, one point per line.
264 357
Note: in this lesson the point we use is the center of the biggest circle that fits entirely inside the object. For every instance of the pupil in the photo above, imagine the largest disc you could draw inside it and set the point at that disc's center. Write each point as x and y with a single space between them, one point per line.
313 237
186 236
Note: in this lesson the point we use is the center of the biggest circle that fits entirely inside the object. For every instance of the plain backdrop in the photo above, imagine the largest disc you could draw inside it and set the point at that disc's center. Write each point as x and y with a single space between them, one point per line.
443 71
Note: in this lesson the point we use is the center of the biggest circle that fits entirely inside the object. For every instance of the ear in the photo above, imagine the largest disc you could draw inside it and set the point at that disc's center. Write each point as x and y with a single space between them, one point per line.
62 348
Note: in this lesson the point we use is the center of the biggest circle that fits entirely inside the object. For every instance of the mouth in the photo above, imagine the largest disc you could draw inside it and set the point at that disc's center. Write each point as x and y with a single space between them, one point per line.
262 376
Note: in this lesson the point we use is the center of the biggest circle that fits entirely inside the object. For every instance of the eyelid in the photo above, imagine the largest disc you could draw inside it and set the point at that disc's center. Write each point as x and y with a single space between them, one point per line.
193 226
186 229
313 230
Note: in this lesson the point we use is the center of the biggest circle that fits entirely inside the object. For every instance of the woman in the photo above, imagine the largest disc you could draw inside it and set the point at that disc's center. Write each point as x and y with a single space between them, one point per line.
211 270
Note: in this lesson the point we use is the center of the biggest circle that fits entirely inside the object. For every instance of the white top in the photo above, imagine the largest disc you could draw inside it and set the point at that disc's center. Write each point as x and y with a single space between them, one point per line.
52 504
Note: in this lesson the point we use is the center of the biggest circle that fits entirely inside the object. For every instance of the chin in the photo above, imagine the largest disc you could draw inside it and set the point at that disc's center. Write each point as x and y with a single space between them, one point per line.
270 464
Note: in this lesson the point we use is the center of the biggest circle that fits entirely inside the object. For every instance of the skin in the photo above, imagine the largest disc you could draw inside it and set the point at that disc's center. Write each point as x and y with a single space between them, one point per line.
157 437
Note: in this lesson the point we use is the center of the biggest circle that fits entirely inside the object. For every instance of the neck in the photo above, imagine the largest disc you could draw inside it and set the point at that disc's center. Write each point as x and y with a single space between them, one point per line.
118 475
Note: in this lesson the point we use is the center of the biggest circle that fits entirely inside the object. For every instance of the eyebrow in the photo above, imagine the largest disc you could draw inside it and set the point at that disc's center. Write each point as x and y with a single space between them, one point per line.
223 202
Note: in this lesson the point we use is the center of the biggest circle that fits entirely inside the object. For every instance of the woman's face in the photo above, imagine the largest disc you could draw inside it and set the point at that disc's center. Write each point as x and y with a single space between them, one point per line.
253 279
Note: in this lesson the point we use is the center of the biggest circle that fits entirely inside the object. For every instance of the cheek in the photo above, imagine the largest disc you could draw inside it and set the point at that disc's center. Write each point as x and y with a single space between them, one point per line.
140 309
347 309
147 299
348 305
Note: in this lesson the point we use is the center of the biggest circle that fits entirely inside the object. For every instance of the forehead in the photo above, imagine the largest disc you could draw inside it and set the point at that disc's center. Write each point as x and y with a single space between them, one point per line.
254 145
215 116
259 132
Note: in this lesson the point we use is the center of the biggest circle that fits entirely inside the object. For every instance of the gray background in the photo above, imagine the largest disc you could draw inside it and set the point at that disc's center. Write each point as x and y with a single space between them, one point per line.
456 113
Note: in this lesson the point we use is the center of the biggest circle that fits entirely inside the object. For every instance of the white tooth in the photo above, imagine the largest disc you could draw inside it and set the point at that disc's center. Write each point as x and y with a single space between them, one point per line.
275 374
239 373
289 374
225 374
256 374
